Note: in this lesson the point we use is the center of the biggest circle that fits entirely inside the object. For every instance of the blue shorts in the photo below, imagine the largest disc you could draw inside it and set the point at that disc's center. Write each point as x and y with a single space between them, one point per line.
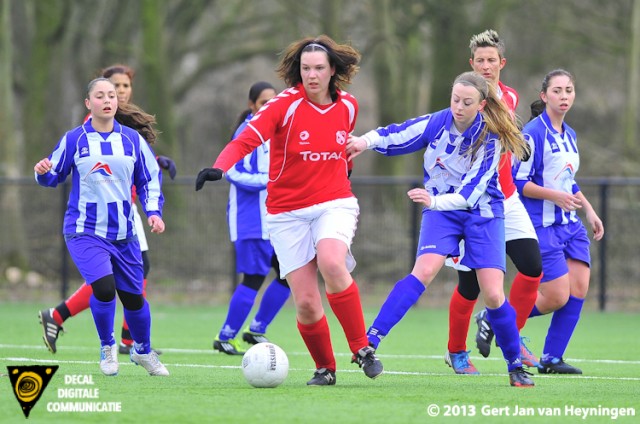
441 232
253 256
96 257
559 243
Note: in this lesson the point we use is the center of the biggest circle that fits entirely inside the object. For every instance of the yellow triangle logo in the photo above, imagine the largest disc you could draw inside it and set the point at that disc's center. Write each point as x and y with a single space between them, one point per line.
29 382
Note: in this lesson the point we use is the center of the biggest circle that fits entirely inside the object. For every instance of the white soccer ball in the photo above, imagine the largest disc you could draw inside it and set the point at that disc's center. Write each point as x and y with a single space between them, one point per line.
265 365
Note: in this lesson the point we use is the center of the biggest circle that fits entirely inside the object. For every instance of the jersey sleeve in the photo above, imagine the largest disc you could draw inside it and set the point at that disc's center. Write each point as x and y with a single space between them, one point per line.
61 162
399 139
258 131
523 171
148 180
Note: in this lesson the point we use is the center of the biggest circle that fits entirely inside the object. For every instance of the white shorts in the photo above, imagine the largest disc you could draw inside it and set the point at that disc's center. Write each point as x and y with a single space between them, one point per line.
142 237
295 234
517 226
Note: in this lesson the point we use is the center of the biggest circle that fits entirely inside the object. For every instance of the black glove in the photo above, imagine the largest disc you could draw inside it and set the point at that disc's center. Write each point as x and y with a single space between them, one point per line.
167 163
208 174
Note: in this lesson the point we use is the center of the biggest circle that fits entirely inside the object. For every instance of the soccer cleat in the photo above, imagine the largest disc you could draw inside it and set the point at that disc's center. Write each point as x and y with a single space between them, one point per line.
109 359
125 349
520 378
149 361
557 366
367 360
51 329
230 347
460 362
484 335
528 358
322 377
253 338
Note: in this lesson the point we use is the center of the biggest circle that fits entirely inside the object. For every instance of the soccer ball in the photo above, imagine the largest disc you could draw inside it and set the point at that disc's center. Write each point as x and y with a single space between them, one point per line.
265 365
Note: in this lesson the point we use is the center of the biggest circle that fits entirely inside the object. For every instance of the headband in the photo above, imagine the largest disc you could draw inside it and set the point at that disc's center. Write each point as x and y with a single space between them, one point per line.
320 46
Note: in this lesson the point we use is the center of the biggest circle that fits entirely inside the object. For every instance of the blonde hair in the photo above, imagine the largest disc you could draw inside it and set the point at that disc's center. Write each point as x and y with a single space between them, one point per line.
488 38
496 115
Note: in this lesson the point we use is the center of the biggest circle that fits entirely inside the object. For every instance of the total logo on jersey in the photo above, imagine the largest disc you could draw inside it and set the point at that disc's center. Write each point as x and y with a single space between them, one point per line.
320 156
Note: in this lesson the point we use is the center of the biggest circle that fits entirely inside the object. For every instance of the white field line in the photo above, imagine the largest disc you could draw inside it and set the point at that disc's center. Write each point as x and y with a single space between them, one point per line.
496 357
52 360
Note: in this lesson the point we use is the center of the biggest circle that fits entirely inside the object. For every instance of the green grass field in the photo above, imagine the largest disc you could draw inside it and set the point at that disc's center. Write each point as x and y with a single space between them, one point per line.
208 387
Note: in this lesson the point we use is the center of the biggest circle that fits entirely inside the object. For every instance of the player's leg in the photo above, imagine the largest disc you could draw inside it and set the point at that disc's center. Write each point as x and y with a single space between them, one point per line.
52 318
251 262
273 299
461 306
129 277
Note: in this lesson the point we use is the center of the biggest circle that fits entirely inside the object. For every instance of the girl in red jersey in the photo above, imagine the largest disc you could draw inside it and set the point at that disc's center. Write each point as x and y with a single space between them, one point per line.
312 213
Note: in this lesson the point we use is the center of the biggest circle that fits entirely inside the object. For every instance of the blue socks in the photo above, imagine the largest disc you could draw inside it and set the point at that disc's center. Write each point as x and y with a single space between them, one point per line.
103 315
273 299
403 296
239 309
140 327
535 312
563 322
503 322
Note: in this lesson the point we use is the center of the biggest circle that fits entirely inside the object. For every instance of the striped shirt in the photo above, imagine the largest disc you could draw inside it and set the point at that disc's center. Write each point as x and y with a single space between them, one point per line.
449 172
248 193
553 164
103 168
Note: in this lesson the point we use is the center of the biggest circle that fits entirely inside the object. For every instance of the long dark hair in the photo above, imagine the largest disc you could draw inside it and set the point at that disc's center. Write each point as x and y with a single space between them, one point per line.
133 116
342 57
254 92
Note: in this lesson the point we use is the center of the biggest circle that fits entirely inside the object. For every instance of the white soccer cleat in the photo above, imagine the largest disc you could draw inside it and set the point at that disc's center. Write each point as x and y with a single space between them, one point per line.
109 360
149 361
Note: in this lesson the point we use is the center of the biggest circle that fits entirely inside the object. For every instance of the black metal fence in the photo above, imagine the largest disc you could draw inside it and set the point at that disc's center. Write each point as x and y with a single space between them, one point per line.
193 260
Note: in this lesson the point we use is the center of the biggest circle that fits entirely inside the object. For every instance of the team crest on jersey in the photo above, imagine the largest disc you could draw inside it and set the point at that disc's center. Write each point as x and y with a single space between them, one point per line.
341 137
102 169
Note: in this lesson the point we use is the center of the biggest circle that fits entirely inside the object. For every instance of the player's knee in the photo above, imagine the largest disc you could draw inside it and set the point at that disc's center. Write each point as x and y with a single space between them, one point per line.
104 289
253 281
131 301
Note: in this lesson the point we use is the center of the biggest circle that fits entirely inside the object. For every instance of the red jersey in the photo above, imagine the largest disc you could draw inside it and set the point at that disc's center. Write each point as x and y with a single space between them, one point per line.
307 158
510 97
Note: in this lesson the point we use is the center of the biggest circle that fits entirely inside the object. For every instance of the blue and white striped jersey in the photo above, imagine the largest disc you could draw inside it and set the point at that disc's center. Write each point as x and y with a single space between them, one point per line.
553 164
103 168
248 192
449 172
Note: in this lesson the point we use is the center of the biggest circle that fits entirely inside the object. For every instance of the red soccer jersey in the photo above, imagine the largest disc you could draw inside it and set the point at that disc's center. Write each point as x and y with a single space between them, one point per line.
510 97
308 163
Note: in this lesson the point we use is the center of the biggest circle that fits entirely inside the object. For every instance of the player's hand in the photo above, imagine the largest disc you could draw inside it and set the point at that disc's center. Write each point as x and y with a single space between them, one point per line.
420 195
355 146
156 223
208 174
168 164
43 166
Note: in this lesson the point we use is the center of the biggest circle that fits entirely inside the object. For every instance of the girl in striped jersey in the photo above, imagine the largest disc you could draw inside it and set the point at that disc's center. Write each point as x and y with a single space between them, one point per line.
247 230
462 200
104 159
312 213
52 318
551 196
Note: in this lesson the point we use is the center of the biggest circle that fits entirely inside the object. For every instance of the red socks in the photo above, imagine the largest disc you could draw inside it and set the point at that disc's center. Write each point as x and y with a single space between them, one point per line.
347 307
523 295
318 340
460 311
79 301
